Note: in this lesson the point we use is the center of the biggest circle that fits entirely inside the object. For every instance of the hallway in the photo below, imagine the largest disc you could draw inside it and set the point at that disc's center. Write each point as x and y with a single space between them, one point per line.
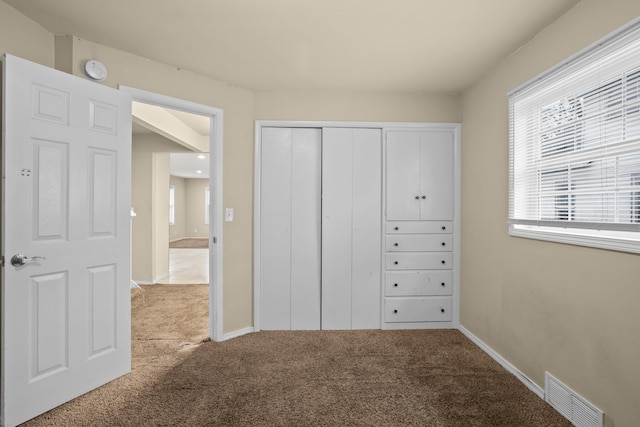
187 266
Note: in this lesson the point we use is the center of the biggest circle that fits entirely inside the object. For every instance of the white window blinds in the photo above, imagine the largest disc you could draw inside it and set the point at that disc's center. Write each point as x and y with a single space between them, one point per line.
575 141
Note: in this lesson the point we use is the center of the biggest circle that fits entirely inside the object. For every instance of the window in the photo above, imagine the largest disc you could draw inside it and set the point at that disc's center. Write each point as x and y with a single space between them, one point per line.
172 205
575 148
206 205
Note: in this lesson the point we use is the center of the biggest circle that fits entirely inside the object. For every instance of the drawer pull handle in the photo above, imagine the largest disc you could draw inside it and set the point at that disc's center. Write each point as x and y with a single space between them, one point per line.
442 310
395 311
395 262
395 285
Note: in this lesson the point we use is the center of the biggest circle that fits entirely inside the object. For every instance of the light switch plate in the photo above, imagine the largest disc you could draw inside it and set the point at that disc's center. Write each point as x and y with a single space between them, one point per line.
228 214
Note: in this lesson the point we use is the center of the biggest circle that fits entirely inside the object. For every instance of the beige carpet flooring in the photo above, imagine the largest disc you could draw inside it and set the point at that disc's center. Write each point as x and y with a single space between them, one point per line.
306 378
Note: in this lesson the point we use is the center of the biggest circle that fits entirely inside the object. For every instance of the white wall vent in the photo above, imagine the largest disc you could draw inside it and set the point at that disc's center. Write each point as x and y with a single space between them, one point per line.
571 405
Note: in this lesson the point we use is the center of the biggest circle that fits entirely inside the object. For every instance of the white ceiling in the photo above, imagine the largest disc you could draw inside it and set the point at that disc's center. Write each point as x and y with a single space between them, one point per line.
187 165
435 46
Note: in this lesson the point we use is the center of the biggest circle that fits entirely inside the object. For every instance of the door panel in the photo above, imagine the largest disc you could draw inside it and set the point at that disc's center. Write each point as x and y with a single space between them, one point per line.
290 229
436 175
305 229
275 239
66 198
367 228
351 228
337 236
403 176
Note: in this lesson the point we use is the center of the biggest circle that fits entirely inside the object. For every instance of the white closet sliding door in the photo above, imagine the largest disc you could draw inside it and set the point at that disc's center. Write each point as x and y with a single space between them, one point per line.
290 228
351 228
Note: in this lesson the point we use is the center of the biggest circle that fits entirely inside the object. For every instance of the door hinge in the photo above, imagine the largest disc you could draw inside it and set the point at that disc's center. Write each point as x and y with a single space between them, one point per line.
2 260
215 240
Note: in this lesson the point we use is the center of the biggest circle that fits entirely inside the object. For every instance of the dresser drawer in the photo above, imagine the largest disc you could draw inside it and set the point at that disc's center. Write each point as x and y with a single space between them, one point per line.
411 227
419 261
427 309
418 242
407 283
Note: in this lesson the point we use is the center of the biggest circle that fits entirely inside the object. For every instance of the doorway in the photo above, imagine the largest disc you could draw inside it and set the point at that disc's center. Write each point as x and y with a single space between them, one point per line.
142 101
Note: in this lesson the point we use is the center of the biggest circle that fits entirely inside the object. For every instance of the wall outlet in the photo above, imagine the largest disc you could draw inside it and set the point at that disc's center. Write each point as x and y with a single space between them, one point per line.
228 214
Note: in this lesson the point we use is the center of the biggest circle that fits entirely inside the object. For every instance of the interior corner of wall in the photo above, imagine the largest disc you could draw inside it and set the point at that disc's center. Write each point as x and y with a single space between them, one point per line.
63 53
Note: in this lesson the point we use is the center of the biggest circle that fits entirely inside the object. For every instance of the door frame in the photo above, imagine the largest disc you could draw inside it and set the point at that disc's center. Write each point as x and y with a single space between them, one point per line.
384 126
215 185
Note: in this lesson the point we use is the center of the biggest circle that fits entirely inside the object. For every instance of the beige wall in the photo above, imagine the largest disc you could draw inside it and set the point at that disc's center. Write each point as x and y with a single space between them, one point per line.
356 107
149 184
178 230
190 197
160 168
194 209
569 310
20 36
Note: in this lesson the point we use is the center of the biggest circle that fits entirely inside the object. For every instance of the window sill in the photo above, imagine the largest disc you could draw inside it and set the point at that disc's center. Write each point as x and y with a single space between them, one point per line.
610 240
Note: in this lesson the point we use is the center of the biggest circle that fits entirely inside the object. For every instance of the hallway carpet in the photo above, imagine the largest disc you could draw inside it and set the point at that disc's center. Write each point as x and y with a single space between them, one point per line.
302 378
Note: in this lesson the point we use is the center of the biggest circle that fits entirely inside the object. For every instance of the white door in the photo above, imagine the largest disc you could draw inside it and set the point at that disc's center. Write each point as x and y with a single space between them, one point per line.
403 176
436 175
66 199
419 175
351 228
290 229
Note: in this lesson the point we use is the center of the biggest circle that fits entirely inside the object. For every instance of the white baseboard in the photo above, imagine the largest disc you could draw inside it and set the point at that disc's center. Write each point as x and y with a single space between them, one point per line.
505 364
238 333
153 282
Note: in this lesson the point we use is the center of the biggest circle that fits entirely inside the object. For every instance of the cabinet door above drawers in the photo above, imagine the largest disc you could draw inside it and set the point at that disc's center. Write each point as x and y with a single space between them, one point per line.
426 309
418 243
415 283
411 227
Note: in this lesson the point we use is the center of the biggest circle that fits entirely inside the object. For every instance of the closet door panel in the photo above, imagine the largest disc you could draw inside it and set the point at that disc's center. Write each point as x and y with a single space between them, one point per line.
305 228
275 238
351 228
367 228
337 209
436 176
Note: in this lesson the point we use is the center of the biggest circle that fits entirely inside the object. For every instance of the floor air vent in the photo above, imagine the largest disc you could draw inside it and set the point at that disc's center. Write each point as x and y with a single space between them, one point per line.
573 407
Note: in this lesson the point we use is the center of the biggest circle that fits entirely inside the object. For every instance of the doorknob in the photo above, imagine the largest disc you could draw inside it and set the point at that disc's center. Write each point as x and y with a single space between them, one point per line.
18 259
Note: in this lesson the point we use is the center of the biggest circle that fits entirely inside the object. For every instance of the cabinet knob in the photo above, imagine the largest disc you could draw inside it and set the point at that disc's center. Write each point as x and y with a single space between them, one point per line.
396 262
444 228
417 197
442 310
424 197
444 262
395 311
442 284
395 285
444 244
395 244
396 228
